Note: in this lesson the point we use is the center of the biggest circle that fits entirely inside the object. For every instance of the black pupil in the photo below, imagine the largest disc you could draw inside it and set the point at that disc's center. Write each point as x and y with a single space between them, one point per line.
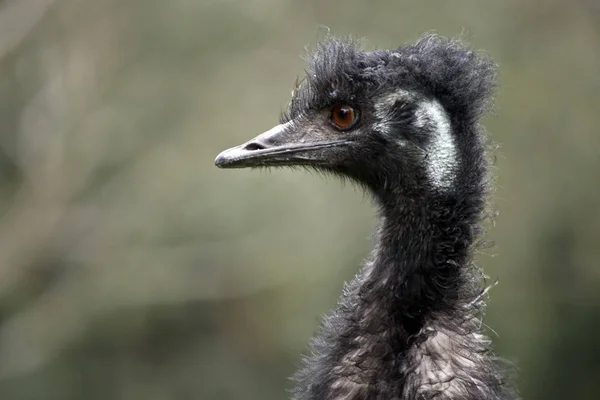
344 114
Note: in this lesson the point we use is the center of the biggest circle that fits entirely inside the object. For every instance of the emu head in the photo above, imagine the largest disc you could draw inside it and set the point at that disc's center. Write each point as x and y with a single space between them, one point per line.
401 122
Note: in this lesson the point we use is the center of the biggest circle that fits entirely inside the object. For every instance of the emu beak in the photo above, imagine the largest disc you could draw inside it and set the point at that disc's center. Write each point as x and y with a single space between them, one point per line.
281 145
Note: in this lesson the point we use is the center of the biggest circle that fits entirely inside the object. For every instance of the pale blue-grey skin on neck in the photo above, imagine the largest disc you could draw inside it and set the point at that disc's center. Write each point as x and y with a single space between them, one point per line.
409 325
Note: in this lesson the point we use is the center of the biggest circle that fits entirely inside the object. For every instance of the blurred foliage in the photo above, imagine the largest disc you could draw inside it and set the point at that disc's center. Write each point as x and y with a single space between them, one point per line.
131 268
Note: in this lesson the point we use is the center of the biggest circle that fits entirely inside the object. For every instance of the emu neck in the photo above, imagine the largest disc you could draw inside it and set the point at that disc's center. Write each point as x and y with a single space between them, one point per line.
418 264
381 341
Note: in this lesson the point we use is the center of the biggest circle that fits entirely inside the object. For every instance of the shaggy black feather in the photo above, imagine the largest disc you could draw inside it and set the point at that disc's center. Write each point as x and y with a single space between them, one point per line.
409 325
434 66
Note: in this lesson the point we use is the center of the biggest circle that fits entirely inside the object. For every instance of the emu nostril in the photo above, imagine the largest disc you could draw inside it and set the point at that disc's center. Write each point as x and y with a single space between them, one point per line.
254 146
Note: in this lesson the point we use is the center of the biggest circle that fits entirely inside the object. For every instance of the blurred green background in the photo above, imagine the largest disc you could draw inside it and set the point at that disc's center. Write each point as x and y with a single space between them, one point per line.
132 268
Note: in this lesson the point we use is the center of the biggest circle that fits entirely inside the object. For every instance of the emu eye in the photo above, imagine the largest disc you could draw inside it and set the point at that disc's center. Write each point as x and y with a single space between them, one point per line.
343 116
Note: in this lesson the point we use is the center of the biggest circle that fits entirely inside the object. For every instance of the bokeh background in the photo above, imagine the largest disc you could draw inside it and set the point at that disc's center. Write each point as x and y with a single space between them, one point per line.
132 268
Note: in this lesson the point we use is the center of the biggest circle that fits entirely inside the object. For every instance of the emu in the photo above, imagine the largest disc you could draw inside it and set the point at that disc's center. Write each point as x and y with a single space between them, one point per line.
405 125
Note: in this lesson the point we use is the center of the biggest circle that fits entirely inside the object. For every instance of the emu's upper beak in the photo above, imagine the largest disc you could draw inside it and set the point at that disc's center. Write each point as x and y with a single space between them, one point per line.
282 145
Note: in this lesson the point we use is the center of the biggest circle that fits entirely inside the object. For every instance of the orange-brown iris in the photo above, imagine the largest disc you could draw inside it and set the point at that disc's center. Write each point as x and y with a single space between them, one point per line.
343 116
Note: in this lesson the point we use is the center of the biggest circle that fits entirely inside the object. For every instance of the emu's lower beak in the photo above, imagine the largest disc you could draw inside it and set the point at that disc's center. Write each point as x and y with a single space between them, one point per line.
281 145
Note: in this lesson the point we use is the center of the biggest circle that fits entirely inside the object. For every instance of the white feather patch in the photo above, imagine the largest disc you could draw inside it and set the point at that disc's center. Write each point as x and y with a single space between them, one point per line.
442 156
